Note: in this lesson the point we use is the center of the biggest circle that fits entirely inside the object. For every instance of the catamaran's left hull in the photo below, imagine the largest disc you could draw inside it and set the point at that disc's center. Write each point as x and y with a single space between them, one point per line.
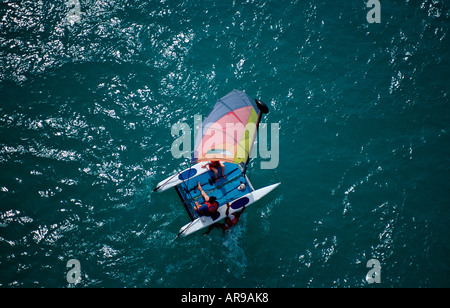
182 176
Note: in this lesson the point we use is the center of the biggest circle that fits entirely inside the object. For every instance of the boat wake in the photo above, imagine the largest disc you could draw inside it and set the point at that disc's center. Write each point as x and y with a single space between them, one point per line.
234 253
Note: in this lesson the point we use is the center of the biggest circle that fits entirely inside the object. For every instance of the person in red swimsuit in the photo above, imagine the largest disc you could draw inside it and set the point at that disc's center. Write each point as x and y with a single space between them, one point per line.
230 220
210 205
214 166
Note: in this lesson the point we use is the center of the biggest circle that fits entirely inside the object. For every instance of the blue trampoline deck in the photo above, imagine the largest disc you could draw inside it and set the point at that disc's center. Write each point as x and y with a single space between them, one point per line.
225 190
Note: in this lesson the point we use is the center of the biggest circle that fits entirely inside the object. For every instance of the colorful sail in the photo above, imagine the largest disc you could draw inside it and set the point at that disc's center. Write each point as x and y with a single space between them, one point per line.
228 133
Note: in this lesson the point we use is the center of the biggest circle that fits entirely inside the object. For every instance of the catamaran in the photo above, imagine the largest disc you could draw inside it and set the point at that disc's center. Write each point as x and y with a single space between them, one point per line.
226 135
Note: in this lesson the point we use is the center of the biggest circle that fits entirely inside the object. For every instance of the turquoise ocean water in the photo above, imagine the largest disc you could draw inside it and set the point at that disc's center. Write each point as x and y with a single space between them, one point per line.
89 90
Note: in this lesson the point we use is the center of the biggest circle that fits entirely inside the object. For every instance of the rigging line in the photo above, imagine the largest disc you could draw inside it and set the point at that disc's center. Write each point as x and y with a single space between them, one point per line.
185 204
209 181
196 197
182 231
185 201
240 183
232 110
187 185
190 166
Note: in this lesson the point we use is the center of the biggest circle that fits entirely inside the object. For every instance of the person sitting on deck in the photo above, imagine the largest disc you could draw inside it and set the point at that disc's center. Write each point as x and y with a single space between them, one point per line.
230 220
214 165
209 207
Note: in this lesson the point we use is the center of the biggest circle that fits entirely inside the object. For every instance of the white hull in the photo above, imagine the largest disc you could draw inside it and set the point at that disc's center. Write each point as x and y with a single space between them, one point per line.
178 178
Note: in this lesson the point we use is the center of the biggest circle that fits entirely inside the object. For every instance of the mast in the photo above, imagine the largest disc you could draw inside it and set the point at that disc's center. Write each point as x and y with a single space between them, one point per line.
263 109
